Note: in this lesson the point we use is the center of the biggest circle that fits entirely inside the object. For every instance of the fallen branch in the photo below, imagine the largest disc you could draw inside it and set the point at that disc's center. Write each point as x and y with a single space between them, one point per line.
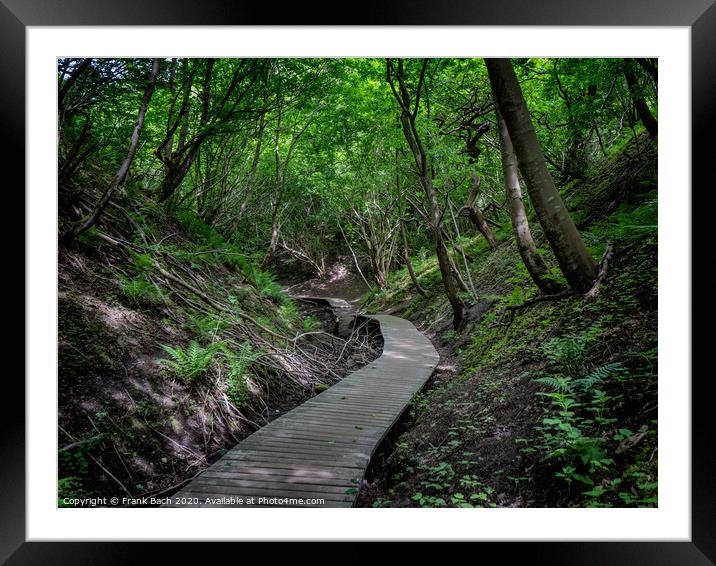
603 268
542 298
96 461
511 310
79 443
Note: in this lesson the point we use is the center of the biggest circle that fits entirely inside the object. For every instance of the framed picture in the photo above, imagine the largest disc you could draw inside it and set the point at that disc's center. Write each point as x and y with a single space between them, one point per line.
676 528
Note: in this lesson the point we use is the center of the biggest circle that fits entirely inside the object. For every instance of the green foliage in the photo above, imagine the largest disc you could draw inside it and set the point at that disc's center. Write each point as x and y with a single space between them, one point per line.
238 361
69 488
441 486
141 263
190 364
208 326
311 324
234 259
90 237
575 435
339 154
139 290
628 224
428 500
419 404
190 407
516 297
74 461
289 312
266 286
450 336
198 230
568 353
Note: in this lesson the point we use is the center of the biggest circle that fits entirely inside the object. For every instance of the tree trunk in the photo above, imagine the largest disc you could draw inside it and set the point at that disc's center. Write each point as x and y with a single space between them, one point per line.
176 171
407 120
117 181
408 263
175 174
65 87
458 307
169 147
403 233
574 259
278 178
528 250
254 166
650 67
257 152
76 154
476 216
379 273
642 109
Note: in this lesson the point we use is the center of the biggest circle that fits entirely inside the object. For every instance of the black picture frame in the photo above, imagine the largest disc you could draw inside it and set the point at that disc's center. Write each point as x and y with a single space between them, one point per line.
699 15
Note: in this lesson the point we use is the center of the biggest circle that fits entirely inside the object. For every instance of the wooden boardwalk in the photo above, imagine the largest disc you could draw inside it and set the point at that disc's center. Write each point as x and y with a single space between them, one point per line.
321 449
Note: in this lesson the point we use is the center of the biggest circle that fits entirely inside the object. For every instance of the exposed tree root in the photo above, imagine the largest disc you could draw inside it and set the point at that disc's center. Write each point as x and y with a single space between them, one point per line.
603 268
593 291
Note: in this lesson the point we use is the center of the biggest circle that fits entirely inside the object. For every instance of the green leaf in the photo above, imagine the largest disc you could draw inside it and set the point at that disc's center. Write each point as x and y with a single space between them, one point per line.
583 479
596 492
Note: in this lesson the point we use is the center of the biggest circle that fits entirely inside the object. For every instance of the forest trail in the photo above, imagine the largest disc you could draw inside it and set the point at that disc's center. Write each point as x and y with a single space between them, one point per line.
210 210
321 449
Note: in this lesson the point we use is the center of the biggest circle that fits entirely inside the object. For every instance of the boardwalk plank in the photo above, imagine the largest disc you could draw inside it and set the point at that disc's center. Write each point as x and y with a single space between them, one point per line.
320 450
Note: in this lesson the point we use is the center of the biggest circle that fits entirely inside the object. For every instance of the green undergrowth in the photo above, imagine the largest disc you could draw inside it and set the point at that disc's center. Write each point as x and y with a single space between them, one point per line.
163 378
551 404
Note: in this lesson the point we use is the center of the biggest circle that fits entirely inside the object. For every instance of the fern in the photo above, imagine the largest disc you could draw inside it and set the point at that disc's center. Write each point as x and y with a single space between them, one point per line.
602 373
141 262
557 383
237 380
311 323
563 383
208 325
140 290
191 364
198 230
289 312
266 285
568 353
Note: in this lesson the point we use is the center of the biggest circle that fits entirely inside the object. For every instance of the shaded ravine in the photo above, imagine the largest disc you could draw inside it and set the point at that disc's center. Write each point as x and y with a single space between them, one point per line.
316 454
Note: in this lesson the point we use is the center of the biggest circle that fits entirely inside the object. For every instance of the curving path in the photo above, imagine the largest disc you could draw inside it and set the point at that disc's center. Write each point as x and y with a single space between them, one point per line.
321 449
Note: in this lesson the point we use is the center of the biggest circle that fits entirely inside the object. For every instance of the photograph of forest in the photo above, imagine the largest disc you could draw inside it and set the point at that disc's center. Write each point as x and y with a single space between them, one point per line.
357 282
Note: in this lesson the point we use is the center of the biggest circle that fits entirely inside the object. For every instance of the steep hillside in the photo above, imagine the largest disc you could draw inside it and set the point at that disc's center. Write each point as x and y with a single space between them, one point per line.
538 402
173 346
